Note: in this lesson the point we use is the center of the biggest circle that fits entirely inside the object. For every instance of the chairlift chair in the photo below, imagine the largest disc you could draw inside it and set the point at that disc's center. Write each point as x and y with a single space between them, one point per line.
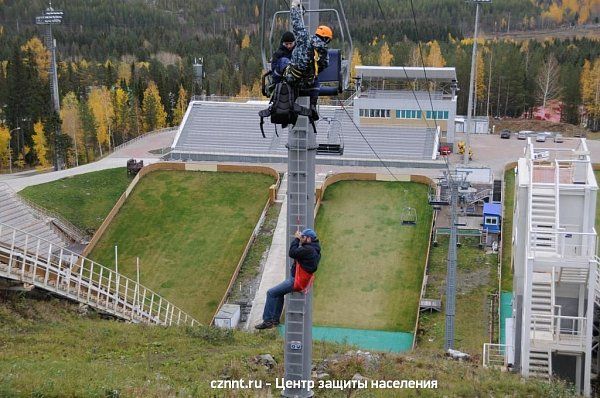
409 216
336 77
335 140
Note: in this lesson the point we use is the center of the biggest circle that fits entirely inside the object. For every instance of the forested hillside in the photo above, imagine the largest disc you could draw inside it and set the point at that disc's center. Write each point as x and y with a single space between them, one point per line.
125 66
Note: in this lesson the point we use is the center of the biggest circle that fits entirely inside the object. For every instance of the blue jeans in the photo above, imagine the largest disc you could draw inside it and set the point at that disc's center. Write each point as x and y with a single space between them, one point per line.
275 298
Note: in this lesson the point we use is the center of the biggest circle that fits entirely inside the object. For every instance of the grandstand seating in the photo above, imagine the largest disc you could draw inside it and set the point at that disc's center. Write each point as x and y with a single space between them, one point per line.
17 214
233 128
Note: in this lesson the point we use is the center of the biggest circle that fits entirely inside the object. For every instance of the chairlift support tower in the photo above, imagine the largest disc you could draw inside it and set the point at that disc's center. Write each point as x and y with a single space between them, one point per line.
302 150
453 181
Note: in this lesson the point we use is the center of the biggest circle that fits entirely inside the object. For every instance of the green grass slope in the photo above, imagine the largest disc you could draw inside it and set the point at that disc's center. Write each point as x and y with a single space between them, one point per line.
372 265
189 230
48 350
477 276
509 208
84 200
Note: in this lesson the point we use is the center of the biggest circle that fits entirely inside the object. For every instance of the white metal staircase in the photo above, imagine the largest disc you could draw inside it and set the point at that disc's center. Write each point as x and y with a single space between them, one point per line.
540 364
573 275
544 219
542 305
29 259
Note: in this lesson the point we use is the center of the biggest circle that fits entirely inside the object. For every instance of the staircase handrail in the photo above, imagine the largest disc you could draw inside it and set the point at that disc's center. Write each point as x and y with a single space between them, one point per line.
495 355
112 288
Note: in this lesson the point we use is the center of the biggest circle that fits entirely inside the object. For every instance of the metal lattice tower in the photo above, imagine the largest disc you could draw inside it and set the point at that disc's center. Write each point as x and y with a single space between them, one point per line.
454 181
48 18
302 150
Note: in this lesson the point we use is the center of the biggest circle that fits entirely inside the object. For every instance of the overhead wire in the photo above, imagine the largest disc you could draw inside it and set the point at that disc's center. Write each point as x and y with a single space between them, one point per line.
414 95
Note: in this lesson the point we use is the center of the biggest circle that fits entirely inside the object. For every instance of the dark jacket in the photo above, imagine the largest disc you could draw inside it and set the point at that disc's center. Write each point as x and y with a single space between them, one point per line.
308 48
307 255
279 61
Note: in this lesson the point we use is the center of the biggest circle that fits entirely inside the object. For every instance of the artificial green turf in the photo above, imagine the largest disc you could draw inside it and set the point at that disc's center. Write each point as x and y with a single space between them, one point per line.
372 266
477 277
85 199
189 230
509 205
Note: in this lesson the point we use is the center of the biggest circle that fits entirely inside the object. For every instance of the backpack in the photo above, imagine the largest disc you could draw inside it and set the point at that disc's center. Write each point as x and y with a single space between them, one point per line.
283 108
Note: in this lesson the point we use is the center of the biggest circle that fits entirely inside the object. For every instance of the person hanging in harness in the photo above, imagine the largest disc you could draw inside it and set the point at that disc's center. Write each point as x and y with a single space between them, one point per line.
305 249
282 57
310 56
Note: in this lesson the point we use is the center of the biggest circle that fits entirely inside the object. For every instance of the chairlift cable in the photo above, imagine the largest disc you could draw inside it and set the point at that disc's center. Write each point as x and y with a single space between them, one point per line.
423 61
381 10
367 142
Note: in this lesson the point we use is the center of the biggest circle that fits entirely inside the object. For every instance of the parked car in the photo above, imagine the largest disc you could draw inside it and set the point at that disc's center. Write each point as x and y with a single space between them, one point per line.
558 138
445 150
540 137
523 134
505 134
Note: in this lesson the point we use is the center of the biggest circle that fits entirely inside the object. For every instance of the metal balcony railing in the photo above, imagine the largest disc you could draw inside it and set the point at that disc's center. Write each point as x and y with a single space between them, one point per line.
558 329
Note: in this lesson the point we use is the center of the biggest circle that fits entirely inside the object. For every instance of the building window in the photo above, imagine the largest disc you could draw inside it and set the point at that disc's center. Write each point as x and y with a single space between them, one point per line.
491 221
375 113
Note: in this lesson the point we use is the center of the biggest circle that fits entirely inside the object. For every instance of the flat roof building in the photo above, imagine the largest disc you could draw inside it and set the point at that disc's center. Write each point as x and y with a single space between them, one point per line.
399 96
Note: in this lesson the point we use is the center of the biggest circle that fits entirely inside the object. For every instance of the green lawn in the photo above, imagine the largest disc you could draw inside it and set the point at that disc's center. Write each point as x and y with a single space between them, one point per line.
85 199
476 277
189 230
509 205
372 266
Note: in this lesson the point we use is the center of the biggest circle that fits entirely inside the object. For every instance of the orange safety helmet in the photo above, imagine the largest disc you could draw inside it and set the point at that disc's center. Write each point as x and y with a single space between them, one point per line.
325 32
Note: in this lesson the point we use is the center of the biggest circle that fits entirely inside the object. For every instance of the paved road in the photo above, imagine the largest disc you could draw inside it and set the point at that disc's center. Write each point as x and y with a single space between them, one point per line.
138 150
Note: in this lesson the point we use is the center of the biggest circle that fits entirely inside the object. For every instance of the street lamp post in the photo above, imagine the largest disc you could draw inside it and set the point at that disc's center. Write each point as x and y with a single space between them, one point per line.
472 80
10 149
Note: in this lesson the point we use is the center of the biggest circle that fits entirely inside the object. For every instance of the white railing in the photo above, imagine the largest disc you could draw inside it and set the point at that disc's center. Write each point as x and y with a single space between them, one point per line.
597 287
29 259
142 136
495 355
583 246
566 330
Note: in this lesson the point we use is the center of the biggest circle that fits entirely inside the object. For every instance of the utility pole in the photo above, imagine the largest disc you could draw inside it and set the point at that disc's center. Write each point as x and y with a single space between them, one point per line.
302 150
472 80
51 17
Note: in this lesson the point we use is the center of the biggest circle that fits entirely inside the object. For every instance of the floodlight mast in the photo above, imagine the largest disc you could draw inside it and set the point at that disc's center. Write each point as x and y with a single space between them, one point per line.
51 17
472 80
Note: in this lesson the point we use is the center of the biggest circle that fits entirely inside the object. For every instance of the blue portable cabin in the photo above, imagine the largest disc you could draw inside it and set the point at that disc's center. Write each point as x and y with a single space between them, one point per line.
492 217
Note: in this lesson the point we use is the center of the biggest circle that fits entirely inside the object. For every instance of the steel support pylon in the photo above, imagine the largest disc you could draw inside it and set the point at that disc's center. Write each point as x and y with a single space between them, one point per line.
298 306
451 265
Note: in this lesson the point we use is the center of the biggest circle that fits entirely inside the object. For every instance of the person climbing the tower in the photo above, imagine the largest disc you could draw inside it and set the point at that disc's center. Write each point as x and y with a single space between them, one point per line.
305 250
310 56
282 57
